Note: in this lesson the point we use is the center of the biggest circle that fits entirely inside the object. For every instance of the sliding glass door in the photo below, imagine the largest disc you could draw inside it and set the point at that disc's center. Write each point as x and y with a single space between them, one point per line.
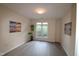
41 30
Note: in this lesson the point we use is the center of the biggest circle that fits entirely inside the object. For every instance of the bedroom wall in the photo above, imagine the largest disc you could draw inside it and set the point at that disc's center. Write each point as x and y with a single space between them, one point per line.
68 42
58 29
9 41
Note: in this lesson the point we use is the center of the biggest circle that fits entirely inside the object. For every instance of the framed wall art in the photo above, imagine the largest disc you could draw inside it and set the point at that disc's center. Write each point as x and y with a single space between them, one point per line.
68 28
15 26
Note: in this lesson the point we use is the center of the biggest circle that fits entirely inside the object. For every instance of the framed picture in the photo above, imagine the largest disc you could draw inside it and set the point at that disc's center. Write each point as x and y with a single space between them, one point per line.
68 28
15 26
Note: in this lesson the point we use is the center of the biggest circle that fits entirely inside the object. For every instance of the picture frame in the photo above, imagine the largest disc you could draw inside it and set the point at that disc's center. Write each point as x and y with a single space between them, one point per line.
15 26
68 28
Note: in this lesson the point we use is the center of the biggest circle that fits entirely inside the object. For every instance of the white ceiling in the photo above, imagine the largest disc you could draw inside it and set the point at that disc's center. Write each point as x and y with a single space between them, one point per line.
54 10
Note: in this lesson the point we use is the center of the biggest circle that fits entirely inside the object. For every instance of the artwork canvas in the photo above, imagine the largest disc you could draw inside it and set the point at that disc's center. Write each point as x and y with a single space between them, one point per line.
68 28
15 26
18 27
12 26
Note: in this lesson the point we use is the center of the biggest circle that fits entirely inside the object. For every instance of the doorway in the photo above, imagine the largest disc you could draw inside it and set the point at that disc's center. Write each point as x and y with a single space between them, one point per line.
41 30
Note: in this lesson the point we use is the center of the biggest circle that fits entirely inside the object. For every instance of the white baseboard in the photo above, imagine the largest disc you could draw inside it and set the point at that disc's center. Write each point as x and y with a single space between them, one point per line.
64 50
1 54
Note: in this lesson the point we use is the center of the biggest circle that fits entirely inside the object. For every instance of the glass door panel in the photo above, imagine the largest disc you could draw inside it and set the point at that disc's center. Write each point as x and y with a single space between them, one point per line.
42 30
45 30
38 30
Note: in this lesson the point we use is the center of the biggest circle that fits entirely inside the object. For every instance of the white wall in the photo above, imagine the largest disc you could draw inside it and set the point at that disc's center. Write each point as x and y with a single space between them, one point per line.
68 42
51 28
9 41
66 39
58 29
77 34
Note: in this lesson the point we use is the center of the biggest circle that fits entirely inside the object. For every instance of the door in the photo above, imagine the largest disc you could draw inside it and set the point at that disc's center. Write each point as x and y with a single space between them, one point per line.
41 30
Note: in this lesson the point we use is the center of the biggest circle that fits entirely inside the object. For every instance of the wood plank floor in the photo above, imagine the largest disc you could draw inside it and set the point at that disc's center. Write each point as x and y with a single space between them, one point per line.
38 48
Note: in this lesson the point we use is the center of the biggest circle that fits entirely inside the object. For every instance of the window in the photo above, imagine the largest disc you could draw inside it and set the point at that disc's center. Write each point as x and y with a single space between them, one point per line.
41 30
